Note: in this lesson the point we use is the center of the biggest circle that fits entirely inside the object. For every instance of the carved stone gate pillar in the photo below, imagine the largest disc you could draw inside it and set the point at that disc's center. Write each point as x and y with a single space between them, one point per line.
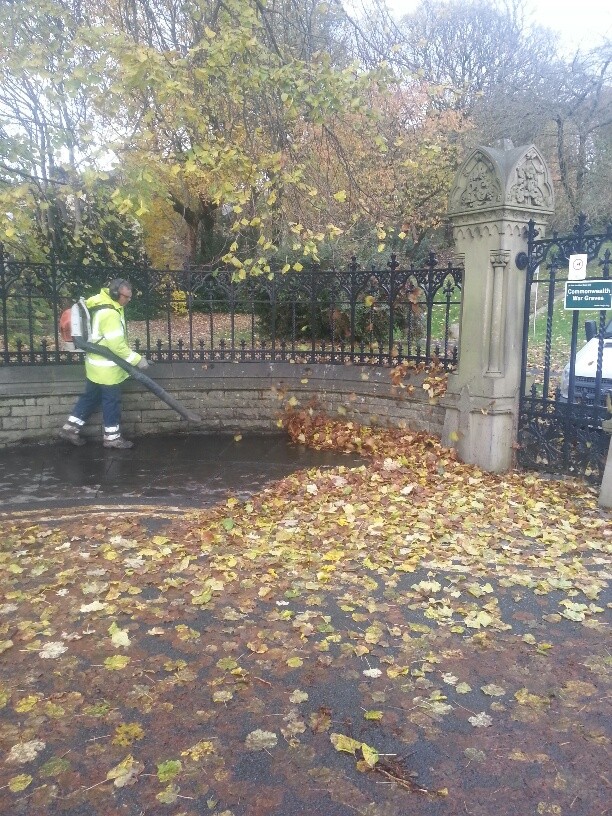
495 194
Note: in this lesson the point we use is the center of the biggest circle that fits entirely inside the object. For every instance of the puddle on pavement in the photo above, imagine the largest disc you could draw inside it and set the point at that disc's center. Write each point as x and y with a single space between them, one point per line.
195 471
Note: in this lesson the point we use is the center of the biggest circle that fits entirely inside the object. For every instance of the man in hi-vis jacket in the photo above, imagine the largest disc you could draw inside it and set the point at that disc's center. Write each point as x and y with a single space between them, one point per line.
104 377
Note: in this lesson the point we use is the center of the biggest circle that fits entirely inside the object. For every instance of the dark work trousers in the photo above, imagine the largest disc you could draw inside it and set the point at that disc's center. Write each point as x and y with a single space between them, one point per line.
108 395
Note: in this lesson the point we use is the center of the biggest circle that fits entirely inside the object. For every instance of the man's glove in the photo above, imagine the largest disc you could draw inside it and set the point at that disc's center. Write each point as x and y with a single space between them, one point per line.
143 363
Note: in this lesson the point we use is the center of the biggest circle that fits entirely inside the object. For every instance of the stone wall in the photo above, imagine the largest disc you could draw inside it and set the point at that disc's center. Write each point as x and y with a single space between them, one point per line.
230 397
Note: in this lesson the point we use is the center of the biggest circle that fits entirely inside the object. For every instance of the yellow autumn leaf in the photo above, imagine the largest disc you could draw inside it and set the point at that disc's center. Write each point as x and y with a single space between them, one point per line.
344 743
257 647
27 703
127 733
119 636
477 619
526 698
19 783
369 754
295 662
116 662
126 772
200 749
202 598
222 696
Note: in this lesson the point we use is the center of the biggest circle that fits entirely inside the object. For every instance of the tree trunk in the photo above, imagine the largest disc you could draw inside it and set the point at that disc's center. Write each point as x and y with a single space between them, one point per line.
200 223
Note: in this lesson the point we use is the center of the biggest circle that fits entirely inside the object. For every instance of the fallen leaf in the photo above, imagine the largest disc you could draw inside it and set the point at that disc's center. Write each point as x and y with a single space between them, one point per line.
116 662
52 650
19 783
169 769
369 754
119 637
295 662
344 743
481 720
169 795
259 740
127 733
222 696
477 619
95 606
200 749
24 752
492 690
126 772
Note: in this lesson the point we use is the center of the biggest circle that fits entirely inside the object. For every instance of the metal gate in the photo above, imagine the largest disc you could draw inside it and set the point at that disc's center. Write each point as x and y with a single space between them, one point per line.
566 379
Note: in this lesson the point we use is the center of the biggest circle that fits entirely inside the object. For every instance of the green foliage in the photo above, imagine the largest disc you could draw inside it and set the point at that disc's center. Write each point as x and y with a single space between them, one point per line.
178 302
372 323
259 133
293 320
55 201
23 317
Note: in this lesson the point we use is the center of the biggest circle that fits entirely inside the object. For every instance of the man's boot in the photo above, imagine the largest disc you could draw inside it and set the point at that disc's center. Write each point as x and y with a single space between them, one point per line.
71 432
113 439
119 443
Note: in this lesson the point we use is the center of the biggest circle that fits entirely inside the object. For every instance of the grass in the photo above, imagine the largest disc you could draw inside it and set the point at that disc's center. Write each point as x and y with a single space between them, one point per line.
561 334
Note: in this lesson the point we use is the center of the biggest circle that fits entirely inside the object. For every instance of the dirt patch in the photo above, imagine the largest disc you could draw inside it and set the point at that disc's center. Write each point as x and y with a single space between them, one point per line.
203 327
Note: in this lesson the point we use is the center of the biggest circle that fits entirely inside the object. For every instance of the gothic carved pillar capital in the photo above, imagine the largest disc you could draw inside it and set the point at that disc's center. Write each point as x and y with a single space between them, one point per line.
500 258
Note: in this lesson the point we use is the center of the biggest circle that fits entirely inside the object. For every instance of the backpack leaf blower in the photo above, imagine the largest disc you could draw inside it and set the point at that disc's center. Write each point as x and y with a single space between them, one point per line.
78 330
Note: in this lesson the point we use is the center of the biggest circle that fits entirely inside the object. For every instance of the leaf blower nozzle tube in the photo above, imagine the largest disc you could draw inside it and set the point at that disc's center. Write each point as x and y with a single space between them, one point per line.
137 374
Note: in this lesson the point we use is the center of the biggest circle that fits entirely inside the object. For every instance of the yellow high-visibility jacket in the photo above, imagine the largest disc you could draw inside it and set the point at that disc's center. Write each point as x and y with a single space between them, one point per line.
108 329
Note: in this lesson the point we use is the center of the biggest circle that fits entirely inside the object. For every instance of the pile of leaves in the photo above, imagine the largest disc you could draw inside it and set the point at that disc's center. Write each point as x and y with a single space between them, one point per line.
410 635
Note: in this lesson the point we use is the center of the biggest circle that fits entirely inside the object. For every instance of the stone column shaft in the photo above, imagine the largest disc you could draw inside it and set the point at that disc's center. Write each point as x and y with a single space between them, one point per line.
496 318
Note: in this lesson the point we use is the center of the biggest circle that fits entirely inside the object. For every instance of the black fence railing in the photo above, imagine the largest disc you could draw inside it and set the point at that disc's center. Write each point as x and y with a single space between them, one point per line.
566 384
365 316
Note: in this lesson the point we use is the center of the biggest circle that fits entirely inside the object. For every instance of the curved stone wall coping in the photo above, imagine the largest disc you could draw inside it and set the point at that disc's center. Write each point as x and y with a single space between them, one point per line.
230 397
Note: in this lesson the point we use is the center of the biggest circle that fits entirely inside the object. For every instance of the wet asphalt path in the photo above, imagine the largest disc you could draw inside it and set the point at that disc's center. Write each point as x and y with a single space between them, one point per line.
195 471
